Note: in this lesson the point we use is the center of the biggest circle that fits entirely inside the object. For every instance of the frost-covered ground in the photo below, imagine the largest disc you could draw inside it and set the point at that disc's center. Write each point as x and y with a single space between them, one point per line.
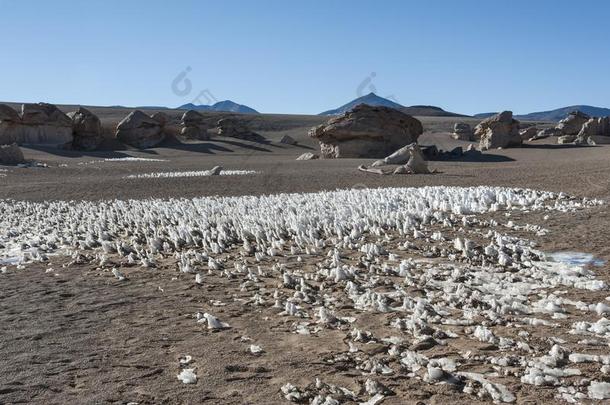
437 284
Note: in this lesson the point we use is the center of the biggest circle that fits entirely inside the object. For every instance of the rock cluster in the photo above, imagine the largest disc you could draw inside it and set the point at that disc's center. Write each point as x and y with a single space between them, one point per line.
462 132
499 131
11 154
366 132
87 129
236 128
193 126
595 131
40 123
140 131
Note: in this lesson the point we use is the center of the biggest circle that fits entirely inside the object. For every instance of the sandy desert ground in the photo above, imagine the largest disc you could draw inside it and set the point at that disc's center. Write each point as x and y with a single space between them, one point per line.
388 331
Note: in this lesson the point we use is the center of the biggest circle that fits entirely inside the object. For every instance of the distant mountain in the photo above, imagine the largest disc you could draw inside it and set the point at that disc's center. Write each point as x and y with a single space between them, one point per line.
556 115
371 99
561 113
484 115
224 106
374 100
152 107
429 111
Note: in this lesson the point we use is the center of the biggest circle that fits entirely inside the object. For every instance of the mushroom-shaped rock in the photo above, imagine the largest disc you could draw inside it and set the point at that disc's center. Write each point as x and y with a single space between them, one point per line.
11 154
572 124
366 132
139 130
87 129
499 131
462 132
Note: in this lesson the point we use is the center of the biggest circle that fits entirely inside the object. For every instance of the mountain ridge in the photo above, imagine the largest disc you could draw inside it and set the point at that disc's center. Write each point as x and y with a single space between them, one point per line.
557 114
224 106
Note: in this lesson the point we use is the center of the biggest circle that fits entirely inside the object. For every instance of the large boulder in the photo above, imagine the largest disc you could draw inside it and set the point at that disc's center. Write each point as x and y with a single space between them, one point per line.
366 132
140 130
87 129
237 128
40 123
572 124
462 132
499 131
193 126
595 131
11 154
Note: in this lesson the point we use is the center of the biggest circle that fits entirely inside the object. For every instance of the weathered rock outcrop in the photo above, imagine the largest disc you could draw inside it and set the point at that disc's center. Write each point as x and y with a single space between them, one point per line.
528 133
193 126
595 131
40 123
86 128
462 132
11 154
236 128
499 131
410 157
572 124
140 130
366 132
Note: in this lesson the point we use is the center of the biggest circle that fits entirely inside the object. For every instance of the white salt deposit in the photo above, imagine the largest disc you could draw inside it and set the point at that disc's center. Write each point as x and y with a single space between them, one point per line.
198 173
188 376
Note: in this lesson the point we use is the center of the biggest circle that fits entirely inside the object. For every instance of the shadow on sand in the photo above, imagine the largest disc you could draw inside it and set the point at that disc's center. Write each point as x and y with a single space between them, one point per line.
554 146
473 158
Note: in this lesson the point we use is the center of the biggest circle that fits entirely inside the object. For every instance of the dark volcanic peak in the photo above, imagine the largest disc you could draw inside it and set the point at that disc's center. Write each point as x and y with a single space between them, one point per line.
371 99
224 106
374 100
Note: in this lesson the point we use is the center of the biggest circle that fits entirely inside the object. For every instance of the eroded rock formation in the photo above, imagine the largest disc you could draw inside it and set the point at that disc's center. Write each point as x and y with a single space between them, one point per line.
366 132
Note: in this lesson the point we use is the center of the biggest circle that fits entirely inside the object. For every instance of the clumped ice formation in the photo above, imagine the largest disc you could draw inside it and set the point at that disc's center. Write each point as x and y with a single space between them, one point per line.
436 265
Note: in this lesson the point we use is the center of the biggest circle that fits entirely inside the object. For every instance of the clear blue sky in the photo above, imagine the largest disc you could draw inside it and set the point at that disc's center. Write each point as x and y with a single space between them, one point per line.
308 56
